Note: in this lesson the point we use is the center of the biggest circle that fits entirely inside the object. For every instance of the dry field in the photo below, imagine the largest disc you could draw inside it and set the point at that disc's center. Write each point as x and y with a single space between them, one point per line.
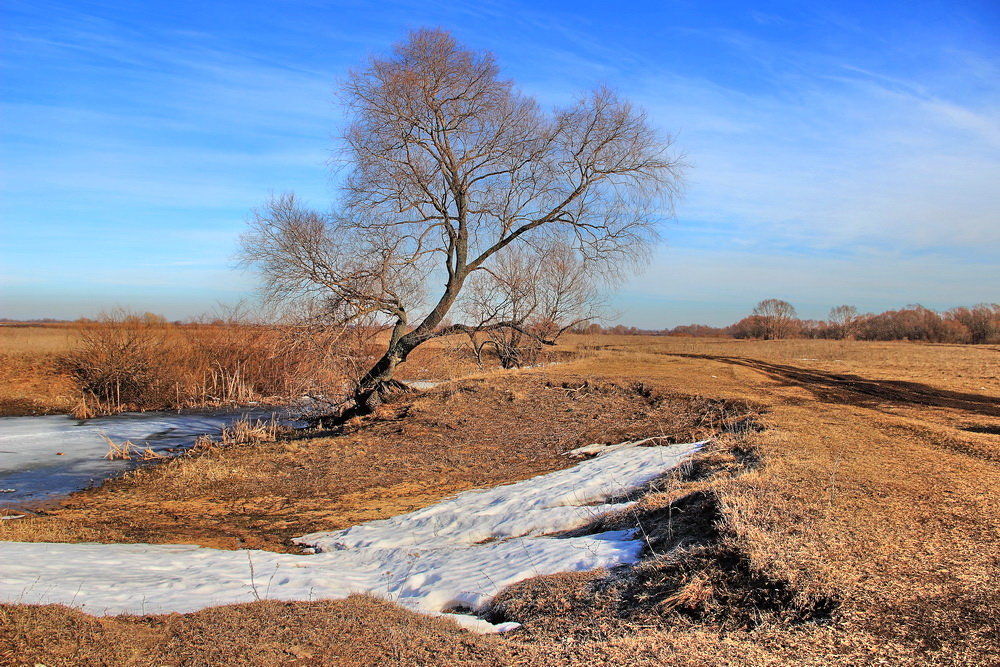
30 383
847 512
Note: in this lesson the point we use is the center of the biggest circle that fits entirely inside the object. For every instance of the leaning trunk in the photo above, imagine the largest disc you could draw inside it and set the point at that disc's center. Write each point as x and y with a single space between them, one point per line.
378 382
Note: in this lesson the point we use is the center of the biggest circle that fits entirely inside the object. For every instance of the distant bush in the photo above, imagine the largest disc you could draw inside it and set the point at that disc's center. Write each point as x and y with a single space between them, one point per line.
776 319
698 331
913 323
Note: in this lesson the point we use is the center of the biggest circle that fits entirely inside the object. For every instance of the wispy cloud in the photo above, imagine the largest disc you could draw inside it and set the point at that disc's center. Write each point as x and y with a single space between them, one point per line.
853 161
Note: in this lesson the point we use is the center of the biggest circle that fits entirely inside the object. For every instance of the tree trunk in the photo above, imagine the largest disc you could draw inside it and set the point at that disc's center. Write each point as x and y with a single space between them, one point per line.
378 382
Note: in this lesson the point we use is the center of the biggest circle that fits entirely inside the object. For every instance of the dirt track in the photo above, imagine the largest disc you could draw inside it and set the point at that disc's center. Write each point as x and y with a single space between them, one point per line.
854 390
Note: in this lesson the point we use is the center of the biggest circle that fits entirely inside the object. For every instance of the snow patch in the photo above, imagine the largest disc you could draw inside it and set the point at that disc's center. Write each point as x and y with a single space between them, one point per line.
458 553
421 384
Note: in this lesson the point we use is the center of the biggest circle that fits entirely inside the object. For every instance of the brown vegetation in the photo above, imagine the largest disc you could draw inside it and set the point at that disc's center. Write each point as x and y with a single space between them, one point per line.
31 382
127 362
771 319
775 319
852 519
980 324
130 362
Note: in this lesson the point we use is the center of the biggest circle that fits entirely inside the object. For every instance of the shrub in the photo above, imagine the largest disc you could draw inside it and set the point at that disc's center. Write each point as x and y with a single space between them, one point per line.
130 362
119 362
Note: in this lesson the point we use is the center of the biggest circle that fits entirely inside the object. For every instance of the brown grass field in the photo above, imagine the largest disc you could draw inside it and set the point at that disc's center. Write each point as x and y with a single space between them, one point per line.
846 512
29 380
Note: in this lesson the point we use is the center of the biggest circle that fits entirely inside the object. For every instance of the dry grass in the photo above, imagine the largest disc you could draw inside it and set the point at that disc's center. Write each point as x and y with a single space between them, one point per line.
38 338
122 364
860 527
972 368
30 382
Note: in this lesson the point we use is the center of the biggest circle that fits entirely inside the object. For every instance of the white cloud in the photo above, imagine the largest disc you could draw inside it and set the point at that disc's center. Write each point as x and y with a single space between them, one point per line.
835 166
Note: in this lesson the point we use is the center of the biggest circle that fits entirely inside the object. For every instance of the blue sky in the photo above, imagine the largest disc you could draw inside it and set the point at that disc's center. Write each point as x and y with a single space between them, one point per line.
841 152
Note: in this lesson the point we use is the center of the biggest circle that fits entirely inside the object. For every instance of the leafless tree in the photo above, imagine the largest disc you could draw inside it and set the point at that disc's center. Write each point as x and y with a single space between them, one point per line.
776 318
541 292
982 321
844 321
450 167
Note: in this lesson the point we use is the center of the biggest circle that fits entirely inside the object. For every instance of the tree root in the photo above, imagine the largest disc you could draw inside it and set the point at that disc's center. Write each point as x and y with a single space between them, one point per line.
364 403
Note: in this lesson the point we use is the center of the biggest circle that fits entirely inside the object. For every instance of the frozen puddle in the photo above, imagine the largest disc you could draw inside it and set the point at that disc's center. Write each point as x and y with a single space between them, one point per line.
422 384
45 457
456 554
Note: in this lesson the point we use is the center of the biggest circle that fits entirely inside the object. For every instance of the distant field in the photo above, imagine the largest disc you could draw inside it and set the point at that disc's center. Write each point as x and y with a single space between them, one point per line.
846 513
29 380
37 338
963 367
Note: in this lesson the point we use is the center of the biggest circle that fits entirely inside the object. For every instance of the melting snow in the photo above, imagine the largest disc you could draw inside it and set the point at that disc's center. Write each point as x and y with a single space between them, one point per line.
458 553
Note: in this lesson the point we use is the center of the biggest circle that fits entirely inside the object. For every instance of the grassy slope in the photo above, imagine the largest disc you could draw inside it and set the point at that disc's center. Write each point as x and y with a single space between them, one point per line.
877 491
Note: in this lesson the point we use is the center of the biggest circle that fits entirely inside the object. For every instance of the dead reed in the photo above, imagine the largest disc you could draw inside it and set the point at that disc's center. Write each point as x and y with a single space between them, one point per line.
129 451
122 451
246 431
128 362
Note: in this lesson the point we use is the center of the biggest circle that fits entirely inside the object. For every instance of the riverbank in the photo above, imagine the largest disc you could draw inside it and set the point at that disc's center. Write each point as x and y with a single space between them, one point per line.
45 458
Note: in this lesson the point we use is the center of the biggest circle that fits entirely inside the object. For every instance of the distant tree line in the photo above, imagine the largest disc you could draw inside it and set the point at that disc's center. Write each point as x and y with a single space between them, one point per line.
770 319
774 319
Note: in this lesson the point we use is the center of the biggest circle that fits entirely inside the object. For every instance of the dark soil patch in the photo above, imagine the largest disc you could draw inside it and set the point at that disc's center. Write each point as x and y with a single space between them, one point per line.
987 429
855 390
716 585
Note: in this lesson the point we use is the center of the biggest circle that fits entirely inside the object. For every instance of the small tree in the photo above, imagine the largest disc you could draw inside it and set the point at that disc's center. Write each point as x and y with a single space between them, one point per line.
450 168
545 291
775 319
844 321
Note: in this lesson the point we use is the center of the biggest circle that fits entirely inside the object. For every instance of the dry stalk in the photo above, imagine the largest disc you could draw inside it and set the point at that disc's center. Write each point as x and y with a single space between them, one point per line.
244 431
119 452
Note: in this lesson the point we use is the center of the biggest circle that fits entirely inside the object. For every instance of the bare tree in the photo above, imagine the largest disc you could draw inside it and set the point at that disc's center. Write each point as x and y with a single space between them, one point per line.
844 321
451 167
542 292
775 318
982 321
